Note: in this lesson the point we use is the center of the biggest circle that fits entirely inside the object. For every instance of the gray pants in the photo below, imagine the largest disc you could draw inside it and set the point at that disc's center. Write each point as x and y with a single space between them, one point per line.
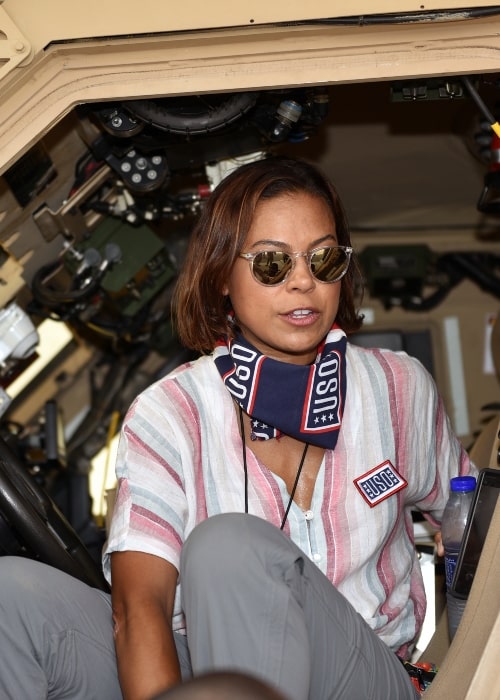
253 603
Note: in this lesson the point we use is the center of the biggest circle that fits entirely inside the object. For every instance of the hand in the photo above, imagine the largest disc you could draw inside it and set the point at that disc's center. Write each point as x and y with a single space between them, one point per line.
439 544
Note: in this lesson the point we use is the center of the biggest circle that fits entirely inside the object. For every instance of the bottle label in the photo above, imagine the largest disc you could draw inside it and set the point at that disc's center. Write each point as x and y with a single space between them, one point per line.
450 562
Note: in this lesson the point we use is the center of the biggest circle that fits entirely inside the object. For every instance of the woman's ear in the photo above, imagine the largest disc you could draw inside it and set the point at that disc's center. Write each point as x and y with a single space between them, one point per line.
225 290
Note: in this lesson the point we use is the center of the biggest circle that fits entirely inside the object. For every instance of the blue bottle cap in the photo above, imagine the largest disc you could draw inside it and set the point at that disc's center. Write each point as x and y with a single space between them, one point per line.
463 483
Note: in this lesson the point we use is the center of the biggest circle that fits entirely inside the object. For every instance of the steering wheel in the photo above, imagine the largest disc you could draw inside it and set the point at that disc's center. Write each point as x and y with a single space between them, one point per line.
36 523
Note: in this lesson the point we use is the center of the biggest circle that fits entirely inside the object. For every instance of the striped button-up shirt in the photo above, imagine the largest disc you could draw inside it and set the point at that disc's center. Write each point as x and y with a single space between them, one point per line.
180 461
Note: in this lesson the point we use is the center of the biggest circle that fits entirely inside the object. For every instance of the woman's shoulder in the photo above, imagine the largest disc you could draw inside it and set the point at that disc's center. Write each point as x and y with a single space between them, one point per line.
197 367
186 397
396 365
363 354
194 381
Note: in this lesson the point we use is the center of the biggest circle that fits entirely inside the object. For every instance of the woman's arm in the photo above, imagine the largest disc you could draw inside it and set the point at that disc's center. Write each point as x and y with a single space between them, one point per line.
143 591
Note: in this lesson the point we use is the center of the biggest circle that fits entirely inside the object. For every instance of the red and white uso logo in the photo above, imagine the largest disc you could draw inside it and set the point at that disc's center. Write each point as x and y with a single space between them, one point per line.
322 405
380 483
239 380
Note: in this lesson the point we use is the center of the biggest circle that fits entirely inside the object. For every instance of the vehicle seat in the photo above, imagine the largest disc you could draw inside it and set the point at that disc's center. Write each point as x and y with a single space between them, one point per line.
469 666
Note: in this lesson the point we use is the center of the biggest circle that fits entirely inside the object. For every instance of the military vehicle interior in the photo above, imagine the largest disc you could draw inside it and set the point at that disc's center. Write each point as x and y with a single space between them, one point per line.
100 185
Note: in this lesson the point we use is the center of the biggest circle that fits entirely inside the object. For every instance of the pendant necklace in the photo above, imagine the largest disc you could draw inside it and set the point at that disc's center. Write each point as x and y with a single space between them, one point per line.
245 469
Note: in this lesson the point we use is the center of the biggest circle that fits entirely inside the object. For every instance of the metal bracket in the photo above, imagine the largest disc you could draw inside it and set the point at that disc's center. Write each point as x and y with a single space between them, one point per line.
14 47
69 220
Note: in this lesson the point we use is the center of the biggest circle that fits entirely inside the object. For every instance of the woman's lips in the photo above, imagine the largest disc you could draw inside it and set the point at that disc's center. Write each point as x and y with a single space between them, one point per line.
301 317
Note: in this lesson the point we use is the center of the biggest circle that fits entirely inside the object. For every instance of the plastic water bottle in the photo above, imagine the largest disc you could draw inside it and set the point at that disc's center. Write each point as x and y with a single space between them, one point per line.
452 530
454 520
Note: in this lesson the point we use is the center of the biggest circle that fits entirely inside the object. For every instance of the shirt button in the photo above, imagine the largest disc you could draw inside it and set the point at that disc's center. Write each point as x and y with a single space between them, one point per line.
309 515
316 557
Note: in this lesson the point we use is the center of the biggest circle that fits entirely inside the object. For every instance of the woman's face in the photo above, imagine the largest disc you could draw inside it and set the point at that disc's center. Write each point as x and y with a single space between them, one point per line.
288 321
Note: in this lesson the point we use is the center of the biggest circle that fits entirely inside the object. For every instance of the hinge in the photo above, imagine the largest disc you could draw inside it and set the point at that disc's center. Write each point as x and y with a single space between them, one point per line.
14 47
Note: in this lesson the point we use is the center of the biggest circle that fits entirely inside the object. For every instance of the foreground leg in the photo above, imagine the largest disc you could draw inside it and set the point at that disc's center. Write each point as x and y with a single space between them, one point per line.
56 636
255 603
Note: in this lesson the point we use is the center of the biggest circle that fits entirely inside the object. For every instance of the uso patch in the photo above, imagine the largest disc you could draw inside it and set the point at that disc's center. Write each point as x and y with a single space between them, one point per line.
380 483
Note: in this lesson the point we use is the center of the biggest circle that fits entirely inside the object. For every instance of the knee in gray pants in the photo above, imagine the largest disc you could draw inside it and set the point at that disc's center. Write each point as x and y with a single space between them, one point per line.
230 543
56 635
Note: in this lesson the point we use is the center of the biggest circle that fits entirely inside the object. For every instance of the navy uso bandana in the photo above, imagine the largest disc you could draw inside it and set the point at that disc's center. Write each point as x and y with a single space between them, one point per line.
304 401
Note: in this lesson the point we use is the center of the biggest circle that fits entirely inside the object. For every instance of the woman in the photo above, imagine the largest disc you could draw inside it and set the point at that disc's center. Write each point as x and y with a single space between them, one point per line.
262 522
330 445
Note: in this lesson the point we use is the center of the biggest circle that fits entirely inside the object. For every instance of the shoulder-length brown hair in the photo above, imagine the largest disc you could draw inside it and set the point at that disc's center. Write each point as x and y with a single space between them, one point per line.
199 308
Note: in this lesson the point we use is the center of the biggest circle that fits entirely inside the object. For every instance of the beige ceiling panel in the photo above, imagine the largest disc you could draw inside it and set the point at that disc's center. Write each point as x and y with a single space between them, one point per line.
59 20
36 96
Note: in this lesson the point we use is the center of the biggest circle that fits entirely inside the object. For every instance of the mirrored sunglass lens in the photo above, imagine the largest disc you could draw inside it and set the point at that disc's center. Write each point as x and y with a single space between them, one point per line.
329 264
272 266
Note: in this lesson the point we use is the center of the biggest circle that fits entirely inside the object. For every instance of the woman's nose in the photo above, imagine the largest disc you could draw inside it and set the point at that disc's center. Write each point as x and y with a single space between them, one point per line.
301 276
